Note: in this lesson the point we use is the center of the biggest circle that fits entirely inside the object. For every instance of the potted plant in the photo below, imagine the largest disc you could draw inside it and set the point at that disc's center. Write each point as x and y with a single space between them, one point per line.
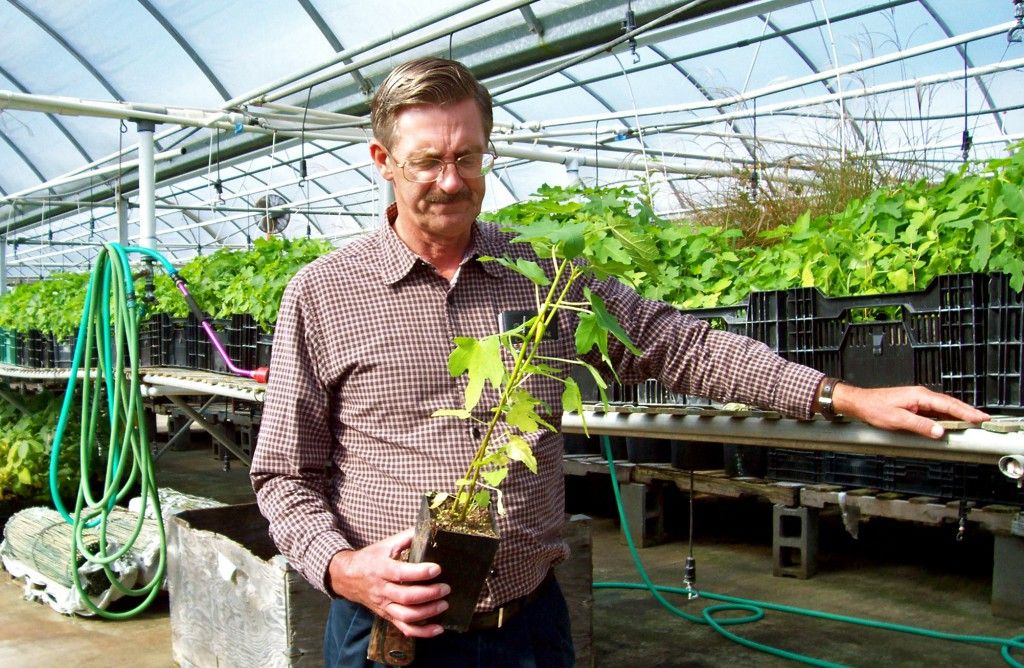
576 234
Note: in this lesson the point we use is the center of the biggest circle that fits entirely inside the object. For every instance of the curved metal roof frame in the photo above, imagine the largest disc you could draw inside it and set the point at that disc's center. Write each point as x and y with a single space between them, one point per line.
536 56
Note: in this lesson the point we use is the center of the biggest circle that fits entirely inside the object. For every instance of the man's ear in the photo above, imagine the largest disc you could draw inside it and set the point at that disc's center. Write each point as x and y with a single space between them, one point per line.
379 155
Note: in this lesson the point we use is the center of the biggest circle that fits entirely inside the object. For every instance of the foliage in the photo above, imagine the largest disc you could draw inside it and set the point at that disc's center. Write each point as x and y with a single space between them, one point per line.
580 232
52 306
230 282
26 436
893 240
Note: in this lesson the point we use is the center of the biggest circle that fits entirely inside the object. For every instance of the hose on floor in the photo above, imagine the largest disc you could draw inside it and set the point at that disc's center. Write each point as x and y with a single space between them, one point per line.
107 354
755 610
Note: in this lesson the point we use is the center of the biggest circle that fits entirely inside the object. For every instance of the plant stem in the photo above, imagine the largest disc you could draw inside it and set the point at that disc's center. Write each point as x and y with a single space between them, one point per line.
548 309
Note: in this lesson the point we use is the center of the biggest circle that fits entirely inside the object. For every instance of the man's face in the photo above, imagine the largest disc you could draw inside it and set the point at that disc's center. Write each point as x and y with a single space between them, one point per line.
447 207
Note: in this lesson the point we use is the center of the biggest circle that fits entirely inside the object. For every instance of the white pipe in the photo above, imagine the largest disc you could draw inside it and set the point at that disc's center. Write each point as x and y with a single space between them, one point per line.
147 186
98 172
972 445
635 164
69 106
347 54
789 84
394 47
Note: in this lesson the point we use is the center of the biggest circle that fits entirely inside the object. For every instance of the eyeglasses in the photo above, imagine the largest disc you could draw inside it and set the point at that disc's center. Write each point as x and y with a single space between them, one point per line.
428 170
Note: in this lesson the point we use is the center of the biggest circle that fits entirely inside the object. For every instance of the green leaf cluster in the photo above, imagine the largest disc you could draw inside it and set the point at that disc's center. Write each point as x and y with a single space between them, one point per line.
27 424
52 306
224 283
229 282
893 240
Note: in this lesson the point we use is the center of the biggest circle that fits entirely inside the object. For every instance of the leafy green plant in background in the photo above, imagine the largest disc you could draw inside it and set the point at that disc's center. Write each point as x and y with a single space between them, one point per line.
52 306
230 282
27 423
894 239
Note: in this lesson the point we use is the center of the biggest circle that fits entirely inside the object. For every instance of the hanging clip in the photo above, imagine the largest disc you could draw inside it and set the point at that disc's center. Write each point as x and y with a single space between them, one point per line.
965 144
629 25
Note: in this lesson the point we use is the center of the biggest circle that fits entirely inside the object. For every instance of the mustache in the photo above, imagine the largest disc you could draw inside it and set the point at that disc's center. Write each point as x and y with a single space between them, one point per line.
441 197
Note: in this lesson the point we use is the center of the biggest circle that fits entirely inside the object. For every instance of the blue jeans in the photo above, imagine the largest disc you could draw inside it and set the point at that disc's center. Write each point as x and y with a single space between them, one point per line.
538 637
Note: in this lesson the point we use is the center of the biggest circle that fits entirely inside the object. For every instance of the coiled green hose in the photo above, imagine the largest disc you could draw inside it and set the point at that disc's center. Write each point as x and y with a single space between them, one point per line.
756 609
109 328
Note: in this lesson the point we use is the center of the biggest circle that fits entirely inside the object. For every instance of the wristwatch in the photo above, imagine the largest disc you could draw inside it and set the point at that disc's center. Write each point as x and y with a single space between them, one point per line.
824 401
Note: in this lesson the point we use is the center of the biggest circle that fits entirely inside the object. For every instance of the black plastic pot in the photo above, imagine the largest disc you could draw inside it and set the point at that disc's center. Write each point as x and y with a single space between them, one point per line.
465 561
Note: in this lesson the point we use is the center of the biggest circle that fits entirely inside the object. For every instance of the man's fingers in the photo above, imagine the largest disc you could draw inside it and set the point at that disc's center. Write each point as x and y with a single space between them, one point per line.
418 594
919 424
409 619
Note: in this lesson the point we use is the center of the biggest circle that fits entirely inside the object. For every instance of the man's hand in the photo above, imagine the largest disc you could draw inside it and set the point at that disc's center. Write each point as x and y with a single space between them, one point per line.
375 577
903 408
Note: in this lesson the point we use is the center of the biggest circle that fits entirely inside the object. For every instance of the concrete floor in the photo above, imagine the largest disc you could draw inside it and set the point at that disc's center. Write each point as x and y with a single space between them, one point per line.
898 573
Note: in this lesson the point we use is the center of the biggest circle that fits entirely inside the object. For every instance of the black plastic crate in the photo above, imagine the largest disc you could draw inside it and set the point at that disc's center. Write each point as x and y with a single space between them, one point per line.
984 483
199 350
150 338
795 465
1005 348
31 347
855 470
264 346
924 477
62 351
937 337
174 342
241 340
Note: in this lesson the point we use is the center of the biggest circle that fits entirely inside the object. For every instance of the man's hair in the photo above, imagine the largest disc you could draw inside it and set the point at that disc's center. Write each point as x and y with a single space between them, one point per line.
434 81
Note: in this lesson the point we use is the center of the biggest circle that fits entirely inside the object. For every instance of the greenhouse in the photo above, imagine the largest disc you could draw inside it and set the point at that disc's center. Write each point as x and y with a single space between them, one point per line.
584 292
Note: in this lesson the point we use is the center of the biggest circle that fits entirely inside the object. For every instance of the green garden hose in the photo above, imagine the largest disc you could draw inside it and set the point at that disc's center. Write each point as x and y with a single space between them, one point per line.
107 351
756 609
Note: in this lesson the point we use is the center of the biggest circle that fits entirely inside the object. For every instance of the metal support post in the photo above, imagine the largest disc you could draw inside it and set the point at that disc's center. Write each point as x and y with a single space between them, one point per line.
147 185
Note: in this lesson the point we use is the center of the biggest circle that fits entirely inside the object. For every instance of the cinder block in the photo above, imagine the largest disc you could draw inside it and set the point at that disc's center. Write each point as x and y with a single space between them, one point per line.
644 507
794 541
1007 576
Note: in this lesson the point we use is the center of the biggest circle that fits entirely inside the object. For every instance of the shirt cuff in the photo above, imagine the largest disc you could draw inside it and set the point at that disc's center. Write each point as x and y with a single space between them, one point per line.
799 385
317 560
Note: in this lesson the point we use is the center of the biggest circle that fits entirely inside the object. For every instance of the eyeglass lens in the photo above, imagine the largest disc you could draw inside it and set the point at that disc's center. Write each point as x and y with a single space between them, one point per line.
469 166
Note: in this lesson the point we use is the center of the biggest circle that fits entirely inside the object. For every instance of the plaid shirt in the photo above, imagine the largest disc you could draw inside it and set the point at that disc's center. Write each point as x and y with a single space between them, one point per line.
347 445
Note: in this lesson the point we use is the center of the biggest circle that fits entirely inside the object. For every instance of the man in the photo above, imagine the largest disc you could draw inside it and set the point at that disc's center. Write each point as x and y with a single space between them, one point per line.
347 446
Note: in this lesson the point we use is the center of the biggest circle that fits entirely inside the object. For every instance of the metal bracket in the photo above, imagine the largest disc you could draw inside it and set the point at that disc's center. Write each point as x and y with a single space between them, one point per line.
214 430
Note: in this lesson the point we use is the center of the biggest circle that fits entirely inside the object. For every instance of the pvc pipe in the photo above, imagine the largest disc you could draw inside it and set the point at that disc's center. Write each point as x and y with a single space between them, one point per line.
198 387
98 172
147 186
394 47
585 160
971 446
792 83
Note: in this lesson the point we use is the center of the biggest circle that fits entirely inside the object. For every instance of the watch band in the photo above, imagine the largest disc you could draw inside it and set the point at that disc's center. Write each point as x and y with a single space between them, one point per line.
825 406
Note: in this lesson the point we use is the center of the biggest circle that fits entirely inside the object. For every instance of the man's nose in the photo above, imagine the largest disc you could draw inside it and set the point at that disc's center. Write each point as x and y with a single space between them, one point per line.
449 180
